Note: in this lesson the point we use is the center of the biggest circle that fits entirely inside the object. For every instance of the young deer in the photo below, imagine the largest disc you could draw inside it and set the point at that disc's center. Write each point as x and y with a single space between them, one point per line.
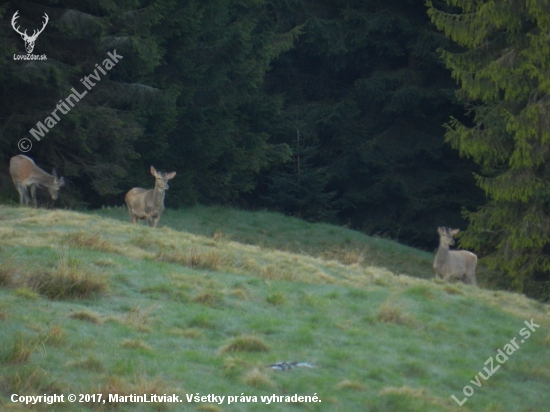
460 264
24 172
148 204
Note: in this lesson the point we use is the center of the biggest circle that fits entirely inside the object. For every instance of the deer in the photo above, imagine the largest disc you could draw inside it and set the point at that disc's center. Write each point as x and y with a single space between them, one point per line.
29 40
24 173
148 204
459 264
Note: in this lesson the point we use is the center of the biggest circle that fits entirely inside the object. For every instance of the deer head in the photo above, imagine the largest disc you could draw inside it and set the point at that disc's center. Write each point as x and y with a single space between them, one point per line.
29 40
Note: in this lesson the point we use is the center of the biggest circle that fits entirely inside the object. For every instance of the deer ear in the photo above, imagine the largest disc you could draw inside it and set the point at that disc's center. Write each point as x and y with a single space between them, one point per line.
170 175
62 182
153 171
54 174
455 231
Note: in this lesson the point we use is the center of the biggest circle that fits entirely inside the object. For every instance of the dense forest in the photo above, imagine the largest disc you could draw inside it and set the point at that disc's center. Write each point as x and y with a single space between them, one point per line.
391 117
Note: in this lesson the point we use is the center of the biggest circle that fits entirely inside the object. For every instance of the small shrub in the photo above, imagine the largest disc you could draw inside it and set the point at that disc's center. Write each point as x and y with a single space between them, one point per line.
245 343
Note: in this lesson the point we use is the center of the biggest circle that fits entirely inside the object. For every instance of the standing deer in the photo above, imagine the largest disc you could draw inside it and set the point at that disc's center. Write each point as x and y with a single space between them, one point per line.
24 172
148 204
460 264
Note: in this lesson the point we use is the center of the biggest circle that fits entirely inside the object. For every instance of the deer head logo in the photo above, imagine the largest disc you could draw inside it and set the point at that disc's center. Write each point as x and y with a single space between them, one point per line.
29 40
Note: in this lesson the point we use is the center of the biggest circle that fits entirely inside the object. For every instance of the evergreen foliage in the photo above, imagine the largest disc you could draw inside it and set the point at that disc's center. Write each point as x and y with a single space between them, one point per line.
504 78
218 90
364 85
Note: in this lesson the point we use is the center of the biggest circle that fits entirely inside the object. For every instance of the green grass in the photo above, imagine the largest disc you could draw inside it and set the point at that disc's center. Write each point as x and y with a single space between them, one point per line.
207 301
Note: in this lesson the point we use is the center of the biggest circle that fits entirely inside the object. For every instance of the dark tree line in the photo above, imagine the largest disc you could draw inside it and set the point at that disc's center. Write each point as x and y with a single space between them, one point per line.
329 110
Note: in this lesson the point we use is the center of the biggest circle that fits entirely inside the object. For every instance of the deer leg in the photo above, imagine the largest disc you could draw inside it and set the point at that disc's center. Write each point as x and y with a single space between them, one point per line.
33 195
25 193
19 188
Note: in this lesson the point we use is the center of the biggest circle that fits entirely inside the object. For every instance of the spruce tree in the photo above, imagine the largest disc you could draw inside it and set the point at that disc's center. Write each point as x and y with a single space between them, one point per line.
503 73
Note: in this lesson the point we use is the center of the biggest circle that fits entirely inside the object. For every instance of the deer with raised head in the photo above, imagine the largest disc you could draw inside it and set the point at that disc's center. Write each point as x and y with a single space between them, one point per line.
459 264
29 40
148 204
24 173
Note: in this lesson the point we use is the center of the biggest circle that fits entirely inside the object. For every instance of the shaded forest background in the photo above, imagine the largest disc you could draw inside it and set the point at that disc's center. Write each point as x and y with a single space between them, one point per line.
329 110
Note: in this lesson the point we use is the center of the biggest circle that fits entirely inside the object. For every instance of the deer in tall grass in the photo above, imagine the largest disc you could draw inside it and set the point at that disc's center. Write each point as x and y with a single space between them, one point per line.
459 264
24 173
148 204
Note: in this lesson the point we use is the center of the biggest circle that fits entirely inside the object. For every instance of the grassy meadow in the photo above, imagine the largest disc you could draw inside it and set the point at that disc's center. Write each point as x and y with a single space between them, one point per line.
90 304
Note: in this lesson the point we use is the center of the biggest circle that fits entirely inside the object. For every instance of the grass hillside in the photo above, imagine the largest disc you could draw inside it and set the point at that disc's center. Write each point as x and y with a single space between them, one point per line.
90 304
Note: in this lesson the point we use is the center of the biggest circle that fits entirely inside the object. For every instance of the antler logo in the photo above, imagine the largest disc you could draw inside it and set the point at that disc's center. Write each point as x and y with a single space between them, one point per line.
29 40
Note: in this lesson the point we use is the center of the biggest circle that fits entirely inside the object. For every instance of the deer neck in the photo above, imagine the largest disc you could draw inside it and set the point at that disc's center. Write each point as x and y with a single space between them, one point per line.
442 253
41 177
158 196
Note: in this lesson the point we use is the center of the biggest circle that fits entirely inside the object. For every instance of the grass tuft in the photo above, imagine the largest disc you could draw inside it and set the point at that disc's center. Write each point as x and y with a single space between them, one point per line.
351 385
245 343
208 407
54 336
87 316
452 290
18 350
257 378
219 235
8 272
28 379
209 298
135 344
276 299
346 255
84 240
27 293
122 387
91 363
193 258
68 281
390 313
